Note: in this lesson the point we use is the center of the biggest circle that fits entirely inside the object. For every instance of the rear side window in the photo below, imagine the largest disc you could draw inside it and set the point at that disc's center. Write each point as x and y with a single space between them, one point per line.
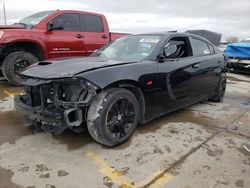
91 23
200 48
70 22
211 48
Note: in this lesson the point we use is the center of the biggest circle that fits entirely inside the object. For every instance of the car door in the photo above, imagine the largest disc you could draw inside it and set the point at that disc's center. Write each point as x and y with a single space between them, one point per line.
209 66
68 41
95 34
179 78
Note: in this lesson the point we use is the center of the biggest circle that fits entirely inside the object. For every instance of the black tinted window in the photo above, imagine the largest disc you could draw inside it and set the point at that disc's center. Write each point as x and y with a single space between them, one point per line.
178 47
92 23
200 48
70 22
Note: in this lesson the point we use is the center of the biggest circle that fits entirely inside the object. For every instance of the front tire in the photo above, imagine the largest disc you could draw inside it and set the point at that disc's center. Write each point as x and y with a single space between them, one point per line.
220 90
14 64
113 116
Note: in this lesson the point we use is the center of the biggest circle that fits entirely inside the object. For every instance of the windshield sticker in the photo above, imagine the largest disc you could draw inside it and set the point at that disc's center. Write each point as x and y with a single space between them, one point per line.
150 40
145 54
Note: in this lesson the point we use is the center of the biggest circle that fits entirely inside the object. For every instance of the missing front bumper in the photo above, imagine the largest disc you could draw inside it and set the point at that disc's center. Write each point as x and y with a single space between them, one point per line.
54 122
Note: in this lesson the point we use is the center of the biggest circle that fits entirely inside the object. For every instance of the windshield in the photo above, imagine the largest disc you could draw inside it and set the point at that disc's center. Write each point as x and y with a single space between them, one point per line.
246 41
34 19
131 48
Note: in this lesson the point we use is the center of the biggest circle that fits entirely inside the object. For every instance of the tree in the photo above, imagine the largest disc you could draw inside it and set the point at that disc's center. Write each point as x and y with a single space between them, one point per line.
232 39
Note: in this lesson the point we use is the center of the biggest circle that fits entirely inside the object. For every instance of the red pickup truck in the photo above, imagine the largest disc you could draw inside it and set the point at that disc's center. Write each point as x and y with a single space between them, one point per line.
48 35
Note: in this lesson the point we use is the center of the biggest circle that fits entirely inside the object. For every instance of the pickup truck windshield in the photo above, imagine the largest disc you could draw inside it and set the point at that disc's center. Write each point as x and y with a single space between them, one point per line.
131 48
34 19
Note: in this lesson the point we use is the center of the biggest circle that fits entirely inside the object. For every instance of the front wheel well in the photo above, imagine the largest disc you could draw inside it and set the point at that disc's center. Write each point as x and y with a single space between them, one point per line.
134 88
29 47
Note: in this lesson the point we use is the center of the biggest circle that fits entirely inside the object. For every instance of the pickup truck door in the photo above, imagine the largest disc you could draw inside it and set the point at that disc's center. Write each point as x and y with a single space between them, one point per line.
95 31
66 42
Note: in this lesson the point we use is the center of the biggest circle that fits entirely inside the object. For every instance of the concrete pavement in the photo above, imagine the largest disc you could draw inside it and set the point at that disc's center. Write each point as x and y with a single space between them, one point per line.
199 146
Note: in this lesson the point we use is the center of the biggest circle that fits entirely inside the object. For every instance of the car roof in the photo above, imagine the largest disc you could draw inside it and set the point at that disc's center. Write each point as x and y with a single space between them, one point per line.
167 34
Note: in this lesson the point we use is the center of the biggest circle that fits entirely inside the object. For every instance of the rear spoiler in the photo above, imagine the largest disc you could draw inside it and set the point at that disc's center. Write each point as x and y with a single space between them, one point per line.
211 36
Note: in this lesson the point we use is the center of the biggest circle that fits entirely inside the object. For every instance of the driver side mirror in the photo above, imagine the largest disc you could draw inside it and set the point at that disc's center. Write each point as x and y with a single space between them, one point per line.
55 25
170 50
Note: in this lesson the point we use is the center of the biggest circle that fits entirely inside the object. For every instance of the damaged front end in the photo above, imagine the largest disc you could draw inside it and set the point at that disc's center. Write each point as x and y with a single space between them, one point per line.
55 105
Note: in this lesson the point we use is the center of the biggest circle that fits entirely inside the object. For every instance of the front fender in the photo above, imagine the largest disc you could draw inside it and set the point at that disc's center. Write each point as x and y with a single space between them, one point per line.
105 76
38 41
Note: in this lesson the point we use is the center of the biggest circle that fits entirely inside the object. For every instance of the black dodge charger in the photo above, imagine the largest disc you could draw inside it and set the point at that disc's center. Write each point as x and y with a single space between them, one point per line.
129 82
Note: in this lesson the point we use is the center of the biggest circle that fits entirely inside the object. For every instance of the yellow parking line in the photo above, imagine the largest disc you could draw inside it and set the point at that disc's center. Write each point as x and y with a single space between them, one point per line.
119 178
116 176
10 94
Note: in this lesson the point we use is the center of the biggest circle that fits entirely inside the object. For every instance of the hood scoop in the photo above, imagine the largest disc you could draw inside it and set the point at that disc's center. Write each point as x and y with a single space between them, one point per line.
44 63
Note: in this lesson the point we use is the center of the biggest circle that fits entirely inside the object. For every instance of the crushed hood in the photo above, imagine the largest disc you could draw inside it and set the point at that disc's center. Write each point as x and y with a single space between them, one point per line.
238 50
16 26
68 67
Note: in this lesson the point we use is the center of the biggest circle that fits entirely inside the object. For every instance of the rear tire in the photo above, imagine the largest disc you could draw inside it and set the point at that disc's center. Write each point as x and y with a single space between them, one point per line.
220 90
113 116
14 64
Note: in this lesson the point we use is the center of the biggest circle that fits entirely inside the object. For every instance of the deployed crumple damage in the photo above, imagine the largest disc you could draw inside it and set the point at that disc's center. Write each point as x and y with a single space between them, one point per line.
65 104
60 103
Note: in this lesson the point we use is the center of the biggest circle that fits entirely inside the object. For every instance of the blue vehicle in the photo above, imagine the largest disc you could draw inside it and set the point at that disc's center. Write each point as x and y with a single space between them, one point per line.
239 55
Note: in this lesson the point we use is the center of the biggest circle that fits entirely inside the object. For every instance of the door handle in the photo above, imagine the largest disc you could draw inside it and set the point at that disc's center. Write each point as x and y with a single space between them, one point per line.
79 36
104 36
196 66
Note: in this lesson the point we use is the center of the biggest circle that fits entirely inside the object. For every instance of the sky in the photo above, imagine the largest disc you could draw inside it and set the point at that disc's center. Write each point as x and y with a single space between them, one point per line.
229 17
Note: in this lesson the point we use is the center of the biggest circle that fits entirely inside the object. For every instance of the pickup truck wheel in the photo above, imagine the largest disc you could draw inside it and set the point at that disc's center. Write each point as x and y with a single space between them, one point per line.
113 116
14 64
221 89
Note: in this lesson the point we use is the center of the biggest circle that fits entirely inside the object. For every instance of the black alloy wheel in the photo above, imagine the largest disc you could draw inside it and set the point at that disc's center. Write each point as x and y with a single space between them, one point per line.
113 116
120 118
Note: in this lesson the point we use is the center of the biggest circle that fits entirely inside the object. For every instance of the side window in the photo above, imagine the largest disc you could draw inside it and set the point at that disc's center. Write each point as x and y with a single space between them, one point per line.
211 48
200 48
177 47
91 23
70 22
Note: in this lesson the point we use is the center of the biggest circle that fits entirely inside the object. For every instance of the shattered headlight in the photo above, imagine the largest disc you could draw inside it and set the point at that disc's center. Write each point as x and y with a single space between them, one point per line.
1 34
88 85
